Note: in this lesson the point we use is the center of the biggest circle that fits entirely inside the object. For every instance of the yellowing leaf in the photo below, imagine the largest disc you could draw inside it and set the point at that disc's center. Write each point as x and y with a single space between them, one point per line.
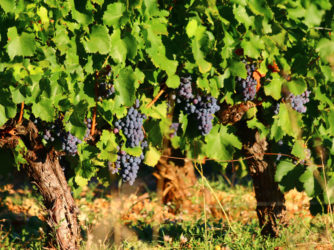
152 157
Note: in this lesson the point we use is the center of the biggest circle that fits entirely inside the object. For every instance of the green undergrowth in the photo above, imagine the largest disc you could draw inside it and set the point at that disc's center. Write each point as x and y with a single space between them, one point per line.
23 232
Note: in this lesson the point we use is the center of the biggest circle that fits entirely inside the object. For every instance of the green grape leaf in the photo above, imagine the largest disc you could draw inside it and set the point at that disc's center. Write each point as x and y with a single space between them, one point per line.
331 122
283 168
8 5
297 86
19 152
313 15
298 149
255 124
253 45
23 45
157 111
220 143
203 65
276 131
136 151
308 180
107 146
80 181
125 86
113 14
87 153
273 89
17 96
131 44
242 16
191 28
99 40
81 13
153 130
44 109
173 81
152 156
238 68
289 120
76 123
118 47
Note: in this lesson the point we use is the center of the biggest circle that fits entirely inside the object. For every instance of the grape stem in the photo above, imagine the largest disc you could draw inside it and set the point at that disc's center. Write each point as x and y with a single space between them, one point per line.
92 131
157 97
21 113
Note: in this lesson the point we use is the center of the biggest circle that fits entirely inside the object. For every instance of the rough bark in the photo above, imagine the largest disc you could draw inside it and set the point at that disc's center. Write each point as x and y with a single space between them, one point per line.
270 208
175 180
45 172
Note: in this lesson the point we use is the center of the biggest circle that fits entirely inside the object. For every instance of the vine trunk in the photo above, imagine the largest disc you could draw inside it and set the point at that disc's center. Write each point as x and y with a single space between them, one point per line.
45 172
270 208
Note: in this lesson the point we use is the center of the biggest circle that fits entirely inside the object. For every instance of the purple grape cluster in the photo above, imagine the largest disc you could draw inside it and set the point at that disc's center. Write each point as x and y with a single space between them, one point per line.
174 127
128 164
105 90
69 143
249 84
202 108
49 131
185 90
298 102
56 130
131 125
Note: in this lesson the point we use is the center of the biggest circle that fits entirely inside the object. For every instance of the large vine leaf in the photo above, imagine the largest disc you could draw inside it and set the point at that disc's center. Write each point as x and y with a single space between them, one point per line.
220 144
113 14
126 85
20 45
99 40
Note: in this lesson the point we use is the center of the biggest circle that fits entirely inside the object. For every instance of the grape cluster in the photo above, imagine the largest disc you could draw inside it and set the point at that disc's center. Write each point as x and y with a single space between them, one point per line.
105 90
174 127
68 141
200 108
185 90
131 125
203 109
298 102
249 84
128 164
49 131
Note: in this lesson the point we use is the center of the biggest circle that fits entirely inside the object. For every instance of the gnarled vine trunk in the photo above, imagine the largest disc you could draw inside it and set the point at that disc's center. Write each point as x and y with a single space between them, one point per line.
45 172
175 182
270 200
